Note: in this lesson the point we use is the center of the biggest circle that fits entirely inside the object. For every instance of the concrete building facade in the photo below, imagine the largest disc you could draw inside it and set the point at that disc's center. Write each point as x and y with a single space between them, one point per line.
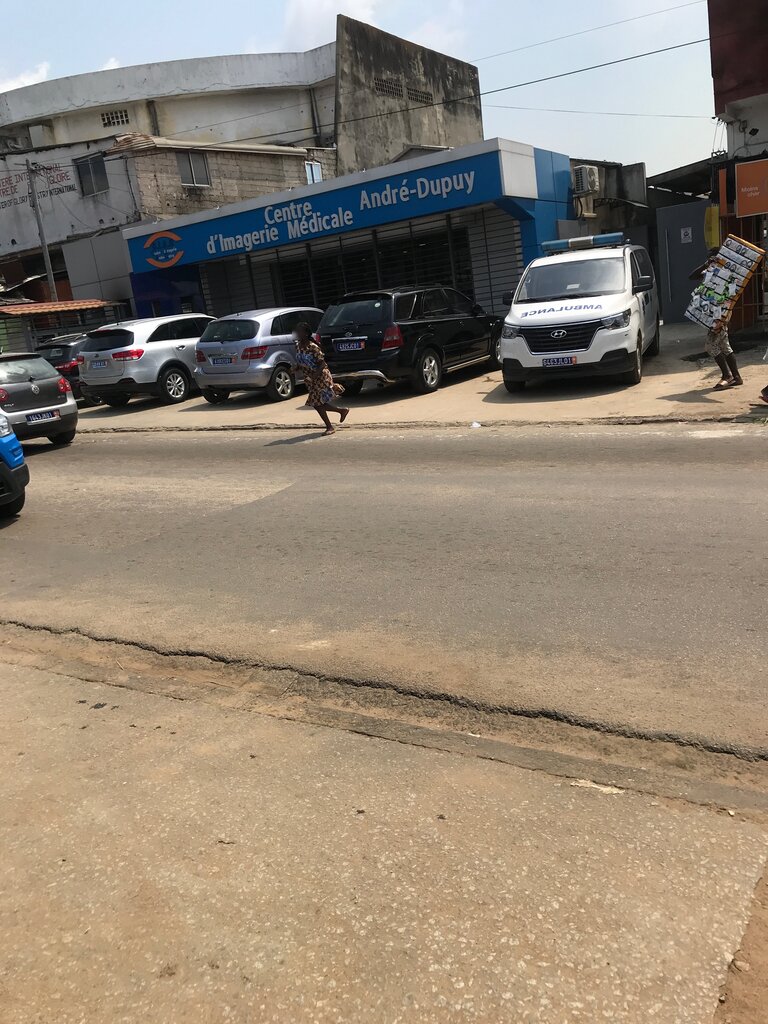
146 143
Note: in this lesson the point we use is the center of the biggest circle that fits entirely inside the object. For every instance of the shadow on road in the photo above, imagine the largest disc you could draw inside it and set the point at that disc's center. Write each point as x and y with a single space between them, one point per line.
299 439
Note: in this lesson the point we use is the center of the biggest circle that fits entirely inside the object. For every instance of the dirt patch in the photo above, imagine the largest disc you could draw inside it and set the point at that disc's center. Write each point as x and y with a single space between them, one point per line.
744 999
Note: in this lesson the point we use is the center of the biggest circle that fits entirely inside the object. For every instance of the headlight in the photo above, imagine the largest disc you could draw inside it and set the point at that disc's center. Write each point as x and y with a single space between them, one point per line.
5 426
615 323
509 331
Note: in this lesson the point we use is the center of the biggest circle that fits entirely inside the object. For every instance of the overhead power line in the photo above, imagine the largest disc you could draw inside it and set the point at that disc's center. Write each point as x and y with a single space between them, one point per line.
587 31
601 113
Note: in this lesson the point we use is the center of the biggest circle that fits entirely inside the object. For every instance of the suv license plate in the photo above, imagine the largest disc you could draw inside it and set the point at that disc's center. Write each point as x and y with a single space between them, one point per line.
349 346
35 417
560 361
222 361
98 364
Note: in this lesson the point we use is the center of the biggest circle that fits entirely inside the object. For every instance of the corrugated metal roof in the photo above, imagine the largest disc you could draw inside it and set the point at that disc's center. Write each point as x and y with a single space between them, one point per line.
67 306
139 142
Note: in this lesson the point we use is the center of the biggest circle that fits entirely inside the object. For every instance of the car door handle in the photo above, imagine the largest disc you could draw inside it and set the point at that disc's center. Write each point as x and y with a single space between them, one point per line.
180 348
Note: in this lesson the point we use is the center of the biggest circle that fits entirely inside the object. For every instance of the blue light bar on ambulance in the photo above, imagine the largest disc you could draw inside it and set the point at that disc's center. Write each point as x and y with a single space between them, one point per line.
587 242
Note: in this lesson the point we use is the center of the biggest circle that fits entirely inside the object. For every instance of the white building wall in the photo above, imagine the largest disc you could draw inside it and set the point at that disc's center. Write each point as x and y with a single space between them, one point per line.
66 212
743 117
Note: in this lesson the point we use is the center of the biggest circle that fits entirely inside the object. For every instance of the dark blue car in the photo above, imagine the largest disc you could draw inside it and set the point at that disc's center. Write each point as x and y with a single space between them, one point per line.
14 473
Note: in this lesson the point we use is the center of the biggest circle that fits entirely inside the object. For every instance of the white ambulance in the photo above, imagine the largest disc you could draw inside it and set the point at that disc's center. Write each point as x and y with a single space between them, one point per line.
589 307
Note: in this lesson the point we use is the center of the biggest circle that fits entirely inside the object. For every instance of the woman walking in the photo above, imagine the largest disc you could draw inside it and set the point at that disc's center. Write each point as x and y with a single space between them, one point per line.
317 377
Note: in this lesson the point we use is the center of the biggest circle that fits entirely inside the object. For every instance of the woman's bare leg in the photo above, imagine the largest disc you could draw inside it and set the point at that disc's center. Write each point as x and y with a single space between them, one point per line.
321 411
340 409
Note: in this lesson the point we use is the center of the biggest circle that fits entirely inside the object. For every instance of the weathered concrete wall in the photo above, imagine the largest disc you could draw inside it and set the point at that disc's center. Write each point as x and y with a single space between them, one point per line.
381 74
234 177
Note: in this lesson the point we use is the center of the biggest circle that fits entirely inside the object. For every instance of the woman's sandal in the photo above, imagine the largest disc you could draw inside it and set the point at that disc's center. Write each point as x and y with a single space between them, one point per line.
724 385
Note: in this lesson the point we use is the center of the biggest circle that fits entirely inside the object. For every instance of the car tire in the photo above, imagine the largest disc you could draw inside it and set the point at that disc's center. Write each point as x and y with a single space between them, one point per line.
282 386
14 507
117 401
655 347
214 396
428 372
635 375
65 438
495 357
174 385
352 388
514 387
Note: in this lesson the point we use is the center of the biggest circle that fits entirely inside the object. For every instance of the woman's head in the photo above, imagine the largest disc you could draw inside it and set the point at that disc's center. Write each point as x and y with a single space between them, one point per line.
302 332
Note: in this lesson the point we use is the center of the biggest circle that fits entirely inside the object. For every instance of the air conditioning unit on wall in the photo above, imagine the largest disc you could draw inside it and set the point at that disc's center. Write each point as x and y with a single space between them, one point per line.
586 180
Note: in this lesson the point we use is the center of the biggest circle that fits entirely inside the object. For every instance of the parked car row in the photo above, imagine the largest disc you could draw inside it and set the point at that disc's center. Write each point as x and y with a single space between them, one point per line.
410 333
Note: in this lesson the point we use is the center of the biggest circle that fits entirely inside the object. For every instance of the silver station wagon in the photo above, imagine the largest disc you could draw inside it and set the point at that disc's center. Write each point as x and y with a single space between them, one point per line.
251 351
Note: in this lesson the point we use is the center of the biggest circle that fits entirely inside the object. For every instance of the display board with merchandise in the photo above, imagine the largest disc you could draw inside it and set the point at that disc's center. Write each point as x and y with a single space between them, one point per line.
726 276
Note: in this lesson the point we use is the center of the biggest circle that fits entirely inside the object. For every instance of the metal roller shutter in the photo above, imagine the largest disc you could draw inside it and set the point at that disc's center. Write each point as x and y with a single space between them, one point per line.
497 255
227 286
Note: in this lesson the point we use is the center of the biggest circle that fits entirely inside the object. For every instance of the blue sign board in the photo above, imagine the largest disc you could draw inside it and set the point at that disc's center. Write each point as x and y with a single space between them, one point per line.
417 193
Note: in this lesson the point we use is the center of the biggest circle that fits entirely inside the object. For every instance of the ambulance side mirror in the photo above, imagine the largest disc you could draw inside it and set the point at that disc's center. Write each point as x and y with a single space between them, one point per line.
507 298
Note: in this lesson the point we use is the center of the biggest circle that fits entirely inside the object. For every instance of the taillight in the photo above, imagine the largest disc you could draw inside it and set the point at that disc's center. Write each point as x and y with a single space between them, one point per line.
67 367
64 386
127 354
3 395
80 360
255 353
317 339
199 356
393 337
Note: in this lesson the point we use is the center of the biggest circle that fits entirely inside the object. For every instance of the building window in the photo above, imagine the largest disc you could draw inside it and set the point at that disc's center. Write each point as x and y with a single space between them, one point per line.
92 174
388 86
420 96
314 171
113 118
193 168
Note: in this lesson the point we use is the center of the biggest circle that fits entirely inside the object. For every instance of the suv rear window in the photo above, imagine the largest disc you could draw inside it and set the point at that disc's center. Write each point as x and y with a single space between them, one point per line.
57 352
359 312
17 371
231 330
111 337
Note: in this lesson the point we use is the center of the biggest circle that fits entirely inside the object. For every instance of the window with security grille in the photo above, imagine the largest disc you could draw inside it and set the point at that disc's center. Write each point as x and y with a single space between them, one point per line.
113 118
420 96
388 87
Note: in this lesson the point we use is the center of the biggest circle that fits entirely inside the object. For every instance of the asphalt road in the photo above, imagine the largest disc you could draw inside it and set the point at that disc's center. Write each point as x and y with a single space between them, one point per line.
611 575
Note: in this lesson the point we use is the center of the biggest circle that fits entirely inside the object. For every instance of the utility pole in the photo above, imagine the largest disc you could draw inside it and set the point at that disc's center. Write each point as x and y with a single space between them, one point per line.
31 172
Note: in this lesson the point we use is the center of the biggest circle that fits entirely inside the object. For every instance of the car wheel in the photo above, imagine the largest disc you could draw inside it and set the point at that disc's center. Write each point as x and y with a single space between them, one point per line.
514 386
635 375
495 357
655 347
281 385
428 372
215 396
14 507
117 401
174 385
61 439
352 388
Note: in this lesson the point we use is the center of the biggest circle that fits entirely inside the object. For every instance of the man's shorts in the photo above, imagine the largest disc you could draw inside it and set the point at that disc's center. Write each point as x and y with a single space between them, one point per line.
718 343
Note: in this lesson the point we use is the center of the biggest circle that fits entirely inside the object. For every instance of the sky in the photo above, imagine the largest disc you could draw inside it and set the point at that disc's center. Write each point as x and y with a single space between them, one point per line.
68 39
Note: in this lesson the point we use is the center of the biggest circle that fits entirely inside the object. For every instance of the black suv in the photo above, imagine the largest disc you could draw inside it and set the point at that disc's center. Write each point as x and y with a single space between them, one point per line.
408 333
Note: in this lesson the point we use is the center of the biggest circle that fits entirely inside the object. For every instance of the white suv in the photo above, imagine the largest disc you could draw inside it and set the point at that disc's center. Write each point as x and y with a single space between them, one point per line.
588 308
141 357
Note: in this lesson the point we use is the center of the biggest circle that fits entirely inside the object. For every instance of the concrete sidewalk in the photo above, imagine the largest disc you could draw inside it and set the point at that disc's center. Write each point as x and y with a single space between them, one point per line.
674 388
175 862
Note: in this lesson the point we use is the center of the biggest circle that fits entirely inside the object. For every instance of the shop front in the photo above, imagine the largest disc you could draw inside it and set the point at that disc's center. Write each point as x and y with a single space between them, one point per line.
469 217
